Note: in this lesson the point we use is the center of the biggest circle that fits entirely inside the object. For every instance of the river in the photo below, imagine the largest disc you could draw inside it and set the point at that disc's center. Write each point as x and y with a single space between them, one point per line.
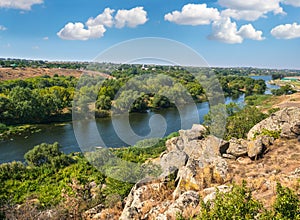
15 148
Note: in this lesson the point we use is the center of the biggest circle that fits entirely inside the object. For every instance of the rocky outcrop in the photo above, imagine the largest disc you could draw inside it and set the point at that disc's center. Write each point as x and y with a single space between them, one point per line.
91 213
285 121
172 161
195 159
237 147
196 163
251 148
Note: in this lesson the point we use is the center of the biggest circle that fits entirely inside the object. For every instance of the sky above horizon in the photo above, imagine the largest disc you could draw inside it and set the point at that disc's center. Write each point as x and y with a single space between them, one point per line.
227 33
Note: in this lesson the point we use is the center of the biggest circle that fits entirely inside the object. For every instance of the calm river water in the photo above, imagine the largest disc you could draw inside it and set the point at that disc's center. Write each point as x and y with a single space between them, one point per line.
15 148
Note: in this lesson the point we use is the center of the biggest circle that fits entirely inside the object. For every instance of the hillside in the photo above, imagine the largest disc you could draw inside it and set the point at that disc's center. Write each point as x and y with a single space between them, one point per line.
202 176
28 72
203 163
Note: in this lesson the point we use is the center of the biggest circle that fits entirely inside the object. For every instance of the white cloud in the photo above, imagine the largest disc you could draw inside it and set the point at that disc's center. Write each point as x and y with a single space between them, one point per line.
193 14
45 38
77 31
105 19
247 15
19 4
295 3
226 31
95 27
248 32
286 31
2 28
35 47
250 10
131 18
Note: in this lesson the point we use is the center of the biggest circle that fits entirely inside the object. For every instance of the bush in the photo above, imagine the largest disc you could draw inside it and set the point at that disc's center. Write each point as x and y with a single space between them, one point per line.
270 133
47 154
3 128
287 204
239 124
236 204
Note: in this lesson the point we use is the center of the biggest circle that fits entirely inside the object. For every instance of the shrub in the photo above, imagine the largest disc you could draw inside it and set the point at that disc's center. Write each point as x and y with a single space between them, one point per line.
270 133
3 127
47 154
236 204
287 204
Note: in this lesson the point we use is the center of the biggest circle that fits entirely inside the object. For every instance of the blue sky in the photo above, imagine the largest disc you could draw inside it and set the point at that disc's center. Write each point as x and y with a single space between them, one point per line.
225 32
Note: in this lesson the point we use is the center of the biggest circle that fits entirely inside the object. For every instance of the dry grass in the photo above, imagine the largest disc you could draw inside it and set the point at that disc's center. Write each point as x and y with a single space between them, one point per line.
23 73
276 166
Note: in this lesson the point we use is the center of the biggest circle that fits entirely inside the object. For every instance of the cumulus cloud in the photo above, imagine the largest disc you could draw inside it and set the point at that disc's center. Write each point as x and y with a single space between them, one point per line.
248 32
96 27
286 31
105 19
250 10
193 14
224 30
295 3
131 18
77 31
19 4
2 28
247 15
45 38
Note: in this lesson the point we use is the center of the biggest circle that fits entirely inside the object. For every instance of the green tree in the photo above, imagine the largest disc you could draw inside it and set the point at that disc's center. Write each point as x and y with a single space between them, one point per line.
47 154
239 124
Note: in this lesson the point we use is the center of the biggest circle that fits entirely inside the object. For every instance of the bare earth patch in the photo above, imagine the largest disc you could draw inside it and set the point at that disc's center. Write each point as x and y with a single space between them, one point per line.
292 100
278 165
23 73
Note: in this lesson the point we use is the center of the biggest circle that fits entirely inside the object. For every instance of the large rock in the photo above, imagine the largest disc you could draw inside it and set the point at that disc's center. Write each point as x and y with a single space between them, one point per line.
194 149
172 161
237 147
215 145
209 145
175 143
285 121
195 133
187 199
212 192
255 148
134 202
200 174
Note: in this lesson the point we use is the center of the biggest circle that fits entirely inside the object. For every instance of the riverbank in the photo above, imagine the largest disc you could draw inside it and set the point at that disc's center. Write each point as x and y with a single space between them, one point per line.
295 84
68 186
8 132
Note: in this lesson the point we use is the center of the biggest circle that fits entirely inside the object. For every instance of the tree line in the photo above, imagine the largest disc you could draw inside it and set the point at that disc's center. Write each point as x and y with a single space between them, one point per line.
134 89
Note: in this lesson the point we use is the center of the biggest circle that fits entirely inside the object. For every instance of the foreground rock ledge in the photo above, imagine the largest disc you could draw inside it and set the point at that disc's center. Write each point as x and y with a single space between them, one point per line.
200 163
